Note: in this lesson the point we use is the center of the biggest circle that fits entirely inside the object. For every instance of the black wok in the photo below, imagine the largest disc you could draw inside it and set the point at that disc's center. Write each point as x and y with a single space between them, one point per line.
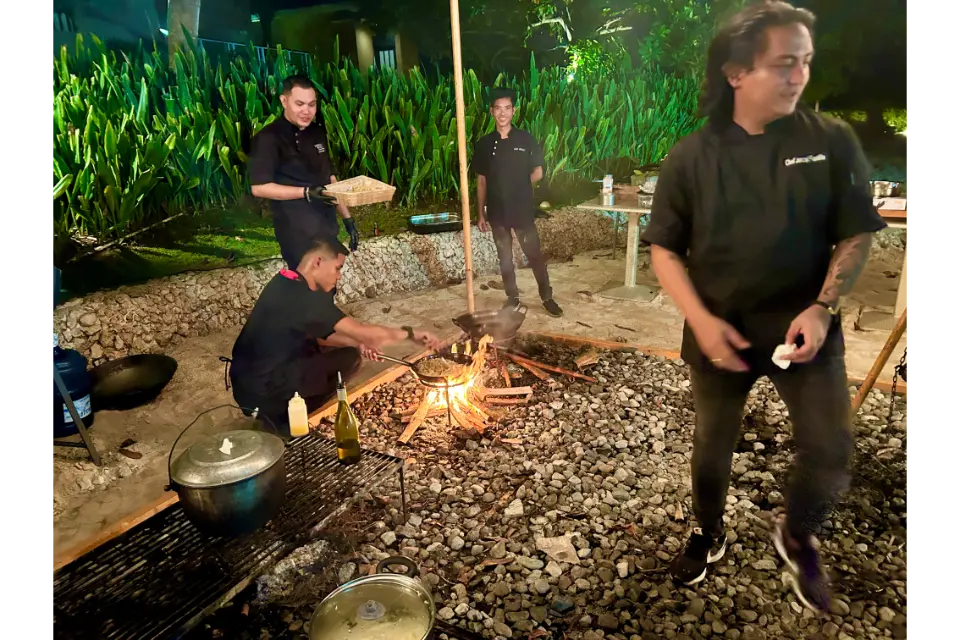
131 382
432 381
499 324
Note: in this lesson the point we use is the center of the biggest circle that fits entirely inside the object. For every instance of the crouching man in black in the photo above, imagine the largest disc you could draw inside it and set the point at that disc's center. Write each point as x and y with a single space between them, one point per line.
297 340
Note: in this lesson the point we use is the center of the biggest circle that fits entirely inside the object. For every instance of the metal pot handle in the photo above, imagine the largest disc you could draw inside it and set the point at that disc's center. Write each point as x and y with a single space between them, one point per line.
384 565
171 484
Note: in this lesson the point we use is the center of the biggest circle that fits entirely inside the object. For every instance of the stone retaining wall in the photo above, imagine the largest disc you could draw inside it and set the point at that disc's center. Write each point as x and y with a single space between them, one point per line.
149 318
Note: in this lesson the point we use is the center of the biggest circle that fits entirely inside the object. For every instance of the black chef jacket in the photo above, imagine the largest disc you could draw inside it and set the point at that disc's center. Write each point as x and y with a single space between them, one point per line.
285 323
507 164
757 218
284 154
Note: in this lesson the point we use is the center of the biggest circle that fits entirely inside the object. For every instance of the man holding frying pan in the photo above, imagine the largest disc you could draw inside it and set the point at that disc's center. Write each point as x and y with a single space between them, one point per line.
297 340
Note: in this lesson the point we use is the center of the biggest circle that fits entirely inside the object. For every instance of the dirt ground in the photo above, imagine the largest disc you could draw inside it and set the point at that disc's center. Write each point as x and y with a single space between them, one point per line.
88 500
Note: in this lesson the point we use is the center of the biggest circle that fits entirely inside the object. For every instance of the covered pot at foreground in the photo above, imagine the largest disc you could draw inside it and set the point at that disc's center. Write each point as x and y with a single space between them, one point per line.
231 483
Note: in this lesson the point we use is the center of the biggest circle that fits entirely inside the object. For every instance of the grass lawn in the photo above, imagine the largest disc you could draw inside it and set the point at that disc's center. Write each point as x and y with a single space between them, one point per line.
209 240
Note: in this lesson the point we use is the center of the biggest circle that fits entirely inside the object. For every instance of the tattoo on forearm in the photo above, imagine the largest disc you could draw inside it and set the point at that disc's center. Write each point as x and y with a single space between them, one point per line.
849 258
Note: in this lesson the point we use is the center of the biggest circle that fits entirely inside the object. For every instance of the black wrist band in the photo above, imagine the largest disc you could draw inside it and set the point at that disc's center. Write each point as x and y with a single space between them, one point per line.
409 331
832 310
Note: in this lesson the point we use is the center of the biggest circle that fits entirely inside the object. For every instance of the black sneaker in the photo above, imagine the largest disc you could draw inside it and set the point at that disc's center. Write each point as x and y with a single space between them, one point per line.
511 303
810 582
552 308
690 566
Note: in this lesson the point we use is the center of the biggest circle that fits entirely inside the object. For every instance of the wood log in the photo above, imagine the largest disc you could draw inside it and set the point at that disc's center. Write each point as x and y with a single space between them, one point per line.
588 359
510 391
467 421
505 374
549 367
534 370
501 402
432 414
418 418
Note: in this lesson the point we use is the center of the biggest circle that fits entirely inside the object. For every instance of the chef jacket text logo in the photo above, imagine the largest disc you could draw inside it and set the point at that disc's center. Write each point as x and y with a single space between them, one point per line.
789 162
519 149
320 148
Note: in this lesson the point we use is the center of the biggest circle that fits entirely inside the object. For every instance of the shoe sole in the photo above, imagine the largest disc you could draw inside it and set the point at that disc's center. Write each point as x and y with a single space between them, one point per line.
793 571
711 558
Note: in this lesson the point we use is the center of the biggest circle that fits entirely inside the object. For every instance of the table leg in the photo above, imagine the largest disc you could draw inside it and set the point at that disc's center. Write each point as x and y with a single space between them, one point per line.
630 290
616 231
902 289
633 248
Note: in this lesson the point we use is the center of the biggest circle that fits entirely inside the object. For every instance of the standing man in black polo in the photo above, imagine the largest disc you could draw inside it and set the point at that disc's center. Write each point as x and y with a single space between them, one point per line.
508 162
762 220
289 165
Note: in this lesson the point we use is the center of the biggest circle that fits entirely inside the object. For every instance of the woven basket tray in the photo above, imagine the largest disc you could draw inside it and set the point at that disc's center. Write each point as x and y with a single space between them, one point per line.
360 191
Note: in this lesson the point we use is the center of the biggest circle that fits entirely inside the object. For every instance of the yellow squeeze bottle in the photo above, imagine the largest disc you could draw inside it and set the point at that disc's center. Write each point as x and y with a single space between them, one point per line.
297 415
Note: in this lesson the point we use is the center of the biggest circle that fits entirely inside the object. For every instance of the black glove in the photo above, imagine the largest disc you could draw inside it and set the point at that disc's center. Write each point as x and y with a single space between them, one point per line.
351 228
317 193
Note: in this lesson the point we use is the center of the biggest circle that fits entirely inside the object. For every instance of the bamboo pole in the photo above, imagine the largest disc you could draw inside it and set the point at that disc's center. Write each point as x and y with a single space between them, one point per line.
880 362
462 148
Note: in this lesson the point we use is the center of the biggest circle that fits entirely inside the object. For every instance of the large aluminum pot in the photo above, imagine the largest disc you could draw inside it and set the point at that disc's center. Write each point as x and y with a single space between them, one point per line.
383 606
230 483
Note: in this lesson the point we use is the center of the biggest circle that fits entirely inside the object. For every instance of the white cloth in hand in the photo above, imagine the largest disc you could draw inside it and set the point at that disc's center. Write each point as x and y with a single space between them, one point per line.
781 351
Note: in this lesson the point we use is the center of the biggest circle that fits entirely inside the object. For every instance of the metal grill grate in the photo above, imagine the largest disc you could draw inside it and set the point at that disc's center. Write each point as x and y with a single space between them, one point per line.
163 576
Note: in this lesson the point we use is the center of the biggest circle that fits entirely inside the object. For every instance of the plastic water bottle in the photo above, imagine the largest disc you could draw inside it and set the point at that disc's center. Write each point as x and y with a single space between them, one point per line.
73 370
607 184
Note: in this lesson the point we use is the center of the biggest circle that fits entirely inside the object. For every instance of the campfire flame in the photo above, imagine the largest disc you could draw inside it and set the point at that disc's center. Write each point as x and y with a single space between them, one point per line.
464 392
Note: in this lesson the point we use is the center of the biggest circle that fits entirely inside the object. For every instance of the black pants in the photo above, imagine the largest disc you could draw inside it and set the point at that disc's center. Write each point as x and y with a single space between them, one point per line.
529 241
294 234
313 376
819 405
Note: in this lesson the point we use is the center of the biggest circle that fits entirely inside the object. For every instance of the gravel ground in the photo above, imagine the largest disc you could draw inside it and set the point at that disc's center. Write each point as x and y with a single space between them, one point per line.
606 465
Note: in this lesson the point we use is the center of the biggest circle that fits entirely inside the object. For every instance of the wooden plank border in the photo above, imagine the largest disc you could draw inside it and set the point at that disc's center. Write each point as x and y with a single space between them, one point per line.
118 528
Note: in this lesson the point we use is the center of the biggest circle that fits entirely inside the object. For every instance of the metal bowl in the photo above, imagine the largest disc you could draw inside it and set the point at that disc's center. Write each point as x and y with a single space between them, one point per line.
885 188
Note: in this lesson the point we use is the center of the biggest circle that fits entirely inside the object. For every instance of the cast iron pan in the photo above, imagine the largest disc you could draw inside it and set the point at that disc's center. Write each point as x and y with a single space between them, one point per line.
131 382
499 324
432 381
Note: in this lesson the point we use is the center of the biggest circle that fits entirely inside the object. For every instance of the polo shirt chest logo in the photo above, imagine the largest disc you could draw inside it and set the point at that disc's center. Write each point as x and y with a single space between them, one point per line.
320 148
819 157
520 149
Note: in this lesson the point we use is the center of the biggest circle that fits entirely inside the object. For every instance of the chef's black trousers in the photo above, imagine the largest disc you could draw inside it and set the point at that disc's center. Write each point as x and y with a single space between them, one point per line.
818 403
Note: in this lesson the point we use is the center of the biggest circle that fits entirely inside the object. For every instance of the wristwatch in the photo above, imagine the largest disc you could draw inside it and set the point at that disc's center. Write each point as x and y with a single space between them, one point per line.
409 331
831 309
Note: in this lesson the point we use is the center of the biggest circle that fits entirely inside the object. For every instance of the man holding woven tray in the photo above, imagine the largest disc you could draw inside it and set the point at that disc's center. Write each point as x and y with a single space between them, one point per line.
290 165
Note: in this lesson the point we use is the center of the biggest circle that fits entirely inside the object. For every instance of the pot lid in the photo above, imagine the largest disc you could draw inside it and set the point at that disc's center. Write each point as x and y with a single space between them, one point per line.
377 607
226 458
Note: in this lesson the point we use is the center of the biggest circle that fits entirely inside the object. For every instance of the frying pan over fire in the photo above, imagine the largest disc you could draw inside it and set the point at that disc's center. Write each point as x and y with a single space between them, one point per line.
430 380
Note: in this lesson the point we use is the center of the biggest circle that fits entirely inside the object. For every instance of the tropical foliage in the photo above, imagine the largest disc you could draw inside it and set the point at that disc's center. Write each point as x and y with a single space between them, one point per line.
137 140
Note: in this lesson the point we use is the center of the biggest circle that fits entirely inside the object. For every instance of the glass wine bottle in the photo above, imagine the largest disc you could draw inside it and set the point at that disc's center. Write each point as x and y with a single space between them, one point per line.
346 429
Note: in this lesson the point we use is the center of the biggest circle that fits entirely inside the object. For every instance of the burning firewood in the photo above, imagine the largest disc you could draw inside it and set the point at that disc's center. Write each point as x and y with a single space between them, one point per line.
459 400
